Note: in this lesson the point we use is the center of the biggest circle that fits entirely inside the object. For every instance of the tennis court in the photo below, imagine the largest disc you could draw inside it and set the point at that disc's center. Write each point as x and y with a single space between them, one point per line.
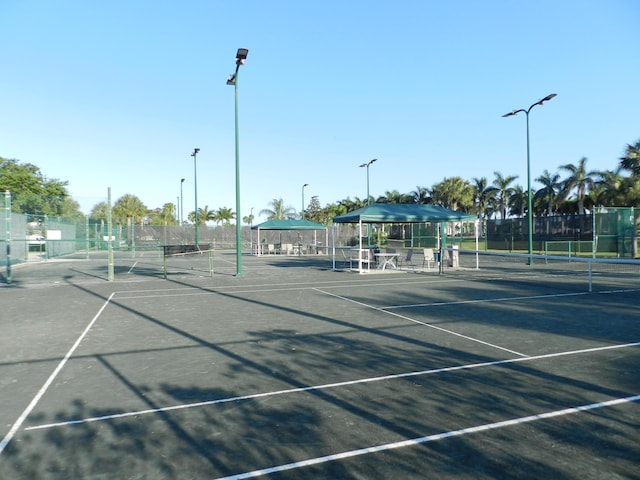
300 371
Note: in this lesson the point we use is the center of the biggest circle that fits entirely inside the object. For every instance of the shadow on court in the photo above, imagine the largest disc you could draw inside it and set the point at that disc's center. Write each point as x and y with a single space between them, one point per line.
185 379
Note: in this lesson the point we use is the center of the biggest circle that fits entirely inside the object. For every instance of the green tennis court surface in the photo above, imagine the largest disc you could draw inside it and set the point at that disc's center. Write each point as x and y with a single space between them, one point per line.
299 371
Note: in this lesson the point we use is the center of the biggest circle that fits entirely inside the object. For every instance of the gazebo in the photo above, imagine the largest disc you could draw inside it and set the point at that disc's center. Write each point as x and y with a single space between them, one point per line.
290 225
400 213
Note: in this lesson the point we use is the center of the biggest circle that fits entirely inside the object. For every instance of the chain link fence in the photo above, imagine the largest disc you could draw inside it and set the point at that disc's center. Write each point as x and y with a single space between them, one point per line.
26 238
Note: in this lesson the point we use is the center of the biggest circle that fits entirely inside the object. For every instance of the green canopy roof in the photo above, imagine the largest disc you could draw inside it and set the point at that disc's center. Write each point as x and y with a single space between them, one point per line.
288 225
402 213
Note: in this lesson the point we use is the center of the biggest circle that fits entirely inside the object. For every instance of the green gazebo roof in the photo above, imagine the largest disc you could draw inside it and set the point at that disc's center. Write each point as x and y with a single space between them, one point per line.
288 225
402 213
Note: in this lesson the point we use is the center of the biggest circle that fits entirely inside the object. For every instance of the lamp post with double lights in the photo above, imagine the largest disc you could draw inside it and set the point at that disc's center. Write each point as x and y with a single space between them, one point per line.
529 212
241 56
302 211
368 164
195 188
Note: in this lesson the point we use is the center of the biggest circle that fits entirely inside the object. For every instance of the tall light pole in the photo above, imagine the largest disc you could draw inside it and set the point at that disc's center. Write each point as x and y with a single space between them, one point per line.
181 201
241 56
302 211
195 187
529 211
368 164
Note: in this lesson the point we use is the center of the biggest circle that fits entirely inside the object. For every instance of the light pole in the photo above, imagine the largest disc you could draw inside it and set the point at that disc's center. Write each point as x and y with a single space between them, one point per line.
195 187
368 164
181 201
241 56
529 212
302 211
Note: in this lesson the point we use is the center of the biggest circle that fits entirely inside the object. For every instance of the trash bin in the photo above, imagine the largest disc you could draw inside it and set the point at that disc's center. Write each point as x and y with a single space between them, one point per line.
454 257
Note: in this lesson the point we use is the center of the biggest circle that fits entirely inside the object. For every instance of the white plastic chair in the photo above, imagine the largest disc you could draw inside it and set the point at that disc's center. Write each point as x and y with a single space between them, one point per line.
429 258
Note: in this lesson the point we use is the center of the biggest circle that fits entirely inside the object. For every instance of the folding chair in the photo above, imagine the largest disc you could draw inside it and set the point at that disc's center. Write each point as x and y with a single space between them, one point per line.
346 260
407 259
429 258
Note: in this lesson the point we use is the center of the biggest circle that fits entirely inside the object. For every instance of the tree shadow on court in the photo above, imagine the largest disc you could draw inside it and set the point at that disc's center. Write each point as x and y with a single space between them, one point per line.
521 314
231 435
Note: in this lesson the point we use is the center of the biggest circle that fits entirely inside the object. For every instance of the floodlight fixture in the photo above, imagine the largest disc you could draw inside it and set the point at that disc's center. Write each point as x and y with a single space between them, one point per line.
241 56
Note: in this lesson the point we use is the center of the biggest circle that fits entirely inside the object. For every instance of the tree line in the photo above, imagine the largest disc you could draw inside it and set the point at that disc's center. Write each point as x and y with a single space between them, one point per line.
572 189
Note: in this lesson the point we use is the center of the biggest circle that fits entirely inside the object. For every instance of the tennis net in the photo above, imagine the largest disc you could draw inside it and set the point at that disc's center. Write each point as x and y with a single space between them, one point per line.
561 272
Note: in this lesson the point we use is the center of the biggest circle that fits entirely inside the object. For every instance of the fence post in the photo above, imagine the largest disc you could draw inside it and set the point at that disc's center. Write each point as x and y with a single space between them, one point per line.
7 206
110 269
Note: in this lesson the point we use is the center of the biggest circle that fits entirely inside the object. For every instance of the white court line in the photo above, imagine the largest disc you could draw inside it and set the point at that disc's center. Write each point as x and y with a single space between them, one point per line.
132 267
486 300
271 287
329 385
18 423
506 299
435 327
431 438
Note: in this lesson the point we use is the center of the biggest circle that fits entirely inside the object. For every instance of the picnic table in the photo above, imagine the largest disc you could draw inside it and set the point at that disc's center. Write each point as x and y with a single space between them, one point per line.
387 260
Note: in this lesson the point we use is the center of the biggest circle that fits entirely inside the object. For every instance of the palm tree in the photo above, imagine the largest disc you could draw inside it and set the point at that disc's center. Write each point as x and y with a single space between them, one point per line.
167 215
393 196
248 219
502 191
578 179
481 196
549 191
631 191
127 208
420 196
204 215
453 193
334 210
351 205
278 211
518 201
99 211
631 159
609 188
224 215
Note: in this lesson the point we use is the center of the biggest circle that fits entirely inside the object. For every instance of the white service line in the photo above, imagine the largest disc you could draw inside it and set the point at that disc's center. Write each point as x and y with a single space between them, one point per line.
487 300
269 287
430 438
328 386
435 327
18 423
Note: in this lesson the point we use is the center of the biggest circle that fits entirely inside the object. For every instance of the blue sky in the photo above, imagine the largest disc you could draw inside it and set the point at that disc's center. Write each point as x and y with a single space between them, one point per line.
118 94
